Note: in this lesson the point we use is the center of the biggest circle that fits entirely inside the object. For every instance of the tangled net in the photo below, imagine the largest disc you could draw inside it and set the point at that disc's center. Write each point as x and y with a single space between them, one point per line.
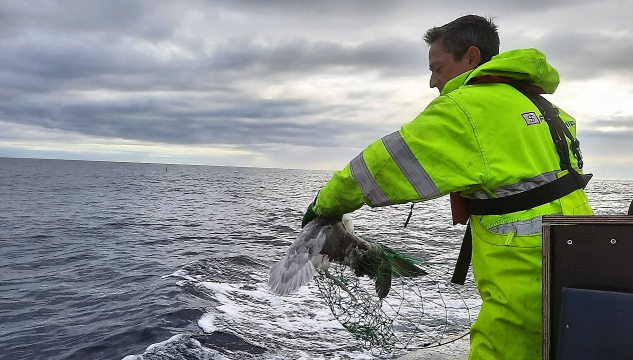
419 312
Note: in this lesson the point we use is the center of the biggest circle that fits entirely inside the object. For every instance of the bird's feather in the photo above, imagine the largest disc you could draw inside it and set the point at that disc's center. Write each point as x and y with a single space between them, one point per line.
298 267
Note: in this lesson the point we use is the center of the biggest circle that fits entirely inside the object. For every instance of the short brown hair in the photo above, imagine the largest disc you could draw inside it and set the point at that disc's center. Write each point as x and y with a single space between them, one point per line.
460 34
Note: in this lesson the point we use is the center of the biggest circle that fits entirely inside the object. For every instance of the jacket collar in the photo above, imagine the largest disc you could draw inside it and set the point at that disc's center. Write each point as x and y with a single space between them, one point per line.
455 83
527 66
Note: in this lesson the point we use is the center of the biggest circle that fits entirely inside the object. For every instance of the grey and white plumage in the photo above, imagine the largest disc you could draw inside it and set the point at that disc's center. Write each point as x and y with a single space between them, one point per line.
302 259
325 240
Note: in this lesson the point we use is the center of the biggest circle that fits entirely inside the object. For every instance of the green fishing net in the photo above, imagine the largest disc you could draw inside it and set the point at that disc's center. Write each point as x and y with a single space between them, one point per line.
420 311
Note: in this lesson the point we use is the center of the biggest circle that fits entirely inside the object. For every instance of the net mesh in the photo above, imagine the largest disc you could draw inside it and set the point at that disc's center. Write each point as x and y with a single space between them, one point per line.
420 311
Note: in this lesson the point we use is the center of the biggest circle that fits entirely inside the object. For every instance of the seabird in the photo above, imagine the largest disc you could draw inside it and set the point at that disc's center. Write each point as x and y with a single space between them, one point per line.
324 240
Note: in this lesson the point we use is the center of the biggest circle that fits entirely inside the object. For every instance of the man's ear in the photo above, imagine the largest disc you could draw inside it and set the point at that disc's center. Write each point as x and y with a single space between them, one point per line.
474 56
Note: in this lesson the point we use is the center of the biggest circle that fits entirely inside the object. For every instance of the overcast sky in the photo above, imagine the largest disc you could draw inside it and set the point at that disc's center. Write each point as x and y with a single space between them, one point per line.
291 84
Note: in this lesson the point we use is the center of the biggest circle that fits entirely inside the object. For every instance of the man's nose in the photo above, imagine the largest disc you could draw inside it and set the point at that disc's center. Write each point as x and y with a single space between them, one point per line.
434 82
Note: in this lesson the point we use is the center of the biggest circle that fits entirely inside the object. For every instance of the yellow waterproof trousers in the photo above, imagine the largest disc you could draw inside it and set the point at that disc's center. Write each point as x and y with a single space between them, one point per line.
508 273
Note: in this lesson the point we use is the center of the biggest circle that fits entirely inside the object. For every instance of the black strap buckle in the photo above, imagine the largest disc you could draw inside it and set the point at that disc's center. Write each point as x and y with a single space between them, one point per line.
575 148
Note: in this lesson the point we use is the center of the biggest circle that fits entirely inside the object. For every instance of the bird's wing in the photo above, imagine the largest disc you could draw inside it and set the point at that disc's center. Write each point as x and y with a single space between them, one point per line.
402 265
296 268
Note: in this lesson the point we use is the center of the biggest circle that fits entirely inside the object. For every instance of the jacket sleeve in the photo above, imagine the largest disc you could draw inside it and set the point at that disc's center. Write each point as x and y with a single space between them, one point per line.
435 154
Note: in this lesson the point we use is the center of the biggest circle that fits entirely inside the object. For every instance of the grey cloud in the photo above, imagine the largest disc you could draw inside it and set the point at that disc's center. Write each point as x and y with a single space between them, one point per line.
244 121
588 55
607 135
625 123
55 67
393 56
84 62
82 66
376 9
70 17
610 137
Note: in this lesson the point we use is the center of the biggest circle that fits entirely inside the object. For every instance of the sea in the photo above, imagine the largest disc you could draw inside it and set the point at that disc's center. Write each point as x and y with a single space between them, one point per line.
107 260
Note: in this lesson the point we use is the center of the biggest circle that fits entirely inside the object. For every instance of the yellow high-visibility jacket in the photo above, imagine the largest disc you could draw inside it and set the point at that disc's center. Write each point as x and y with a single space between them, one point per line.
482 141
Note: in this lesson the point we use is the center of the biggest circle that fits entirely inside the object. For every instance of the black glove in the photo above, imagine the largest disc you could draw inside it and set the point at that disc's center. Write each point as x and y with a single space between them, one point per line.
309 215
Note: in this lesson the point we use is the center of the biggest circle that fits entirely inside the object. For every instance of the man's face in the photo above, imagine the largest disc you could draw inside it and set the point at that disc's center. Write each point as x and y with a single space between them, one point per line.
443 65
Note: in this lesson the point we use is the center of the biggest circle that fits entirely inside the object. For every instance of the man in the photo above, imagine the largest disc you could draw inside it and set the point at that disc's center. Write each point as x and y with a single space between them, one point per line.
482 138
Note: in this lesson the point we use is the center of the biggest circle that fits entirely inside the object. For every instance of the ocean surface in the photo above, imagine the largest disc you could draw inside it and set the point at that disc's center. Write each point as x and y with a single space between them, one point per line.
102 260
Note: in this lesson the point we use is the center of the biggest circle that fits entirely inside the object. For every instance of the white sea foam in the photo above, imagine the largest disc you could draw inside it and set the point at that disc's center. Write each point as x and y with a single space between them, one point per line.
184 346
301 325
206 323
163 343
